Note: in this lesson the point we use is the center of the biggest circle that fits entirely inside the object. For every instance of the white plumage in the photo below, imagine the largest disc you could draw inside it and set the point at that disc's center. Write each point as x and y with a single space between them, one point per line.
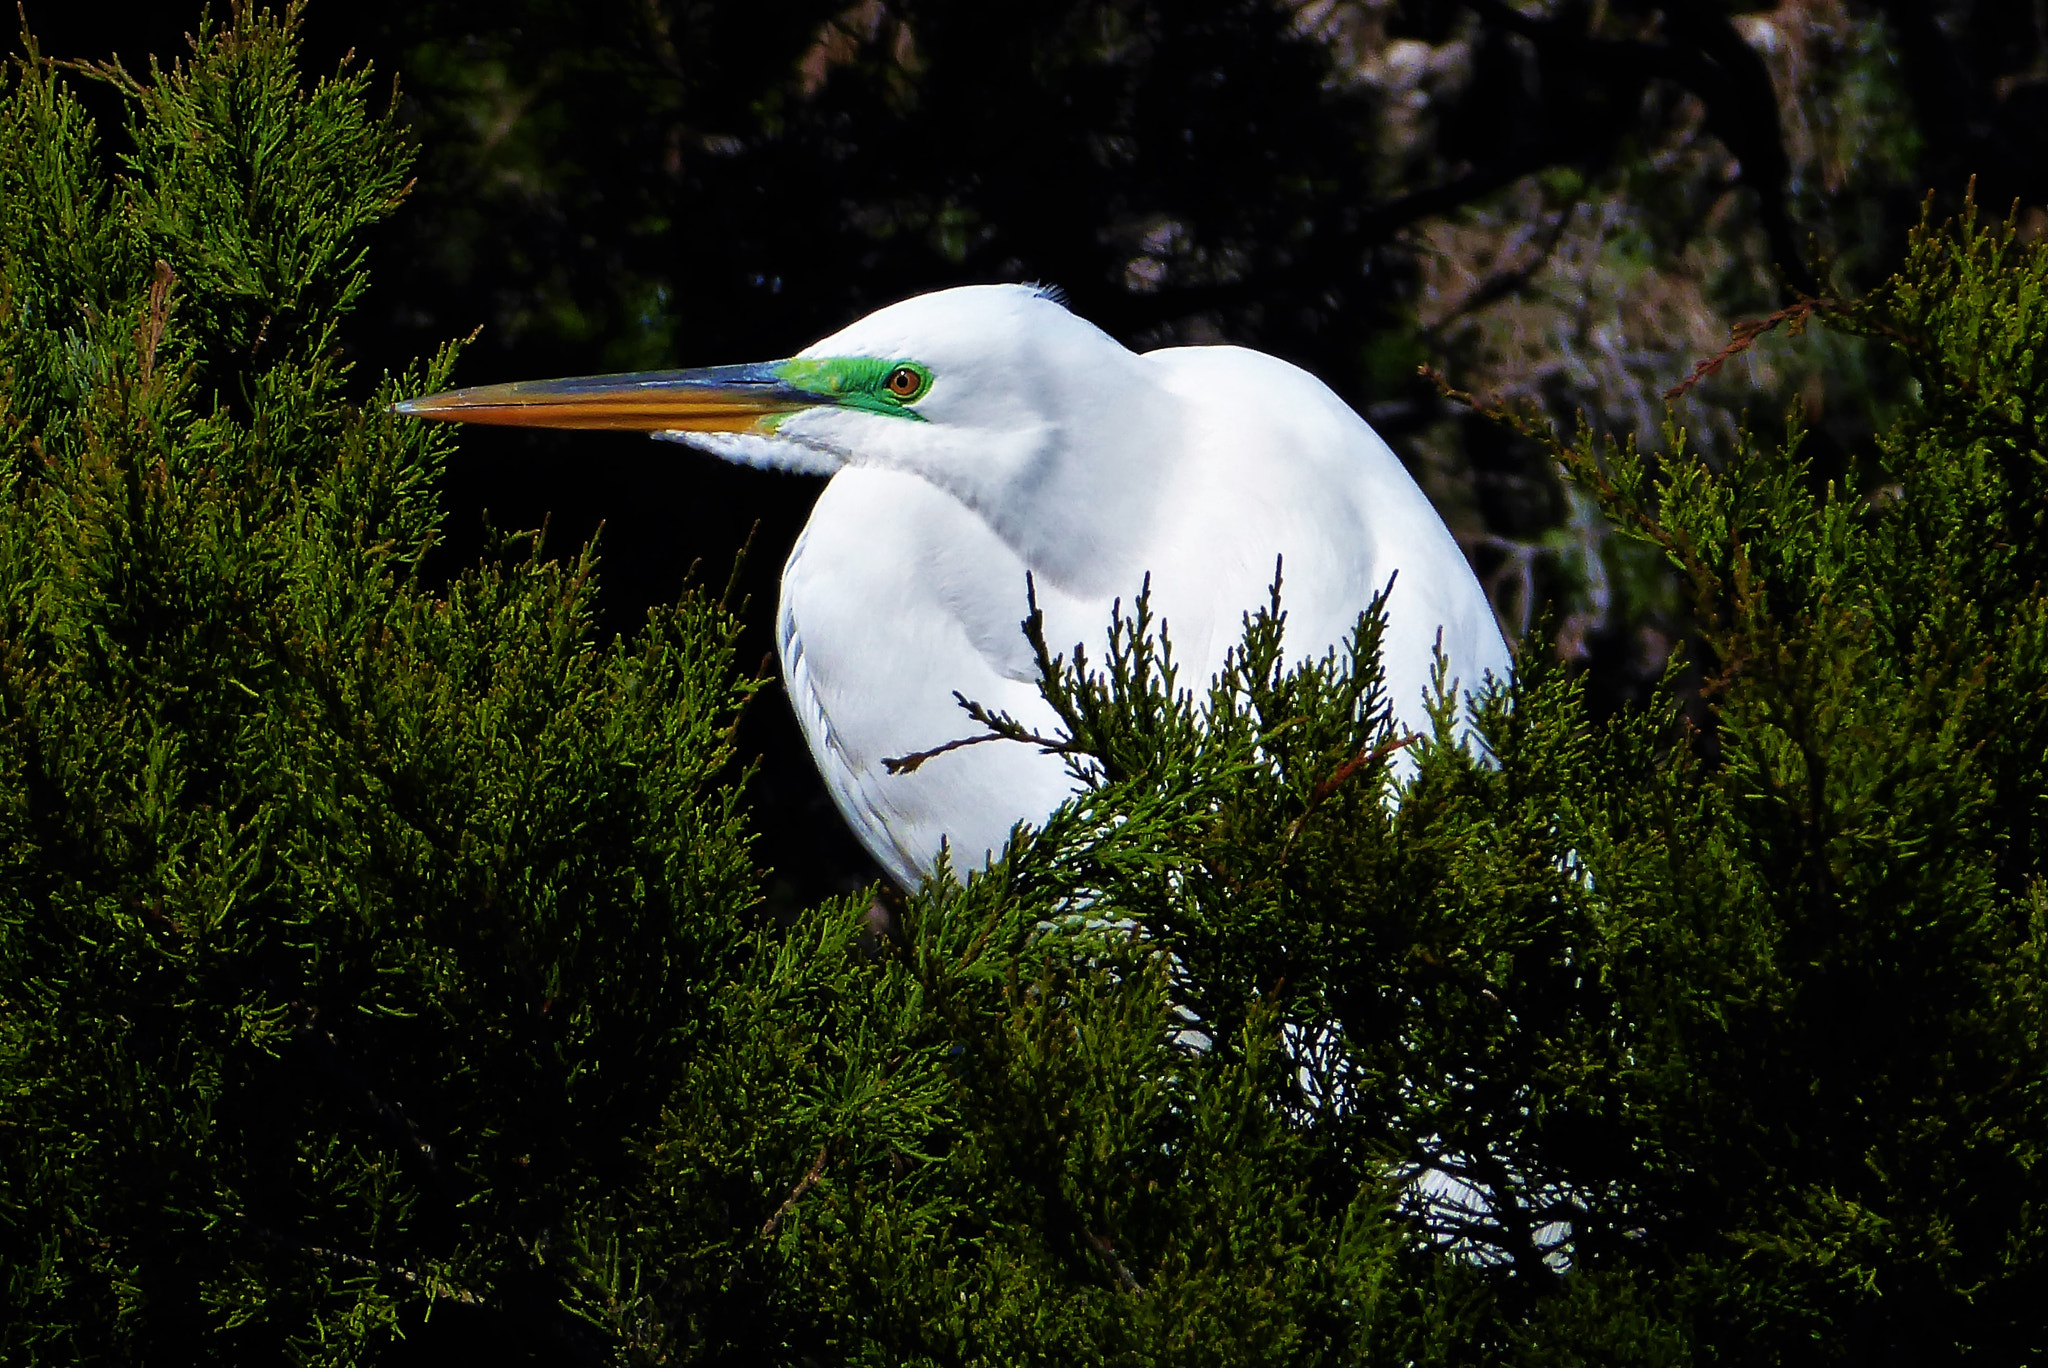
1052 449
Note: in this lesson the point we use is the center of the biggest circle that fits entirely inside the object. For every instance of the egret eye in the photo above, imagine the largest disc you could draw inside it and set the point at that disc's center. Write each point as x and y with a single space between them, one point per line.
904 383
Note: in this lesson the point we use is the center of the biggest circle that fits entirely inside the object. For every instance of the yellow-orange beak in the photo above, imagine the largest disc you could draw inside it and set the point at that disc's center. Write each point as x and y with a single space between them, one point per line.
715 399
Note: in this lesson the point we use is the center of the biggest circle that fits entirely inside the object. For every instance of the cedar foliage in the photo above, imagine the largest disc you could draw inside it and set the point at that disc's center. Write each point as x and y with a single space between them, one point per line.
382 974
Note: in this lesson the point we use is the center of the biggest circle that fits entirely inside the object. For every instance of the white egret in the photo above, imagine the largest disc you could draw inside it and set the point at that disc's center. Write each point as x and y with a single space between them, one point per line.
976 434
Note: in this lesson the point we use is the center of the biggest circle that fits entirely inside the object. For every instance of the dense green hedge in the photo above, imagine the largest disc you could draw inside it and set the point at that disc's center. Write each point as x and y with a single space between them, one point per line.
382 973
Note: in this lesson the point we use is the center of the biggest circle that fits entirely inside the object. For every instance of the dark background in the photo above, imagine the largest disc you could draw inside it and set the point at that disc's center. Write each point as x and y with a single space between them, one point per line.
1560 203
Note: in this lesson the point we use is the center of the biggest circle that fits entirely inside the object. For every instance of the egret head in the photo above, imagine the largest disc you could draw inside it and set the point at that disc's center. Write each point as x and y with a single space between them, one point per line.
996 394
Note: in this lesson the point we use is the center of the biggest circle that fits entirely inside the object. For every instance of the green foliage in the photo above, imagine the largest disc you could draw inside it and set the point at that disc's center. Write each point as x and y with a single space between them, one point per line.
335 911
382 972
1726 1041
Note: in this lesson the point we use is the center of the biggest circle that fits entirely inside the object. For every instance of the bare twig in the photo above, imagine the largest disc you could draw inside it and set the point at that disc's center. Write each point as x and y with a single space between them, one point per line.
154 319
810 1180
1108 1253
1744 334
908 764
1336 780
1000 728
1338 777
1529 424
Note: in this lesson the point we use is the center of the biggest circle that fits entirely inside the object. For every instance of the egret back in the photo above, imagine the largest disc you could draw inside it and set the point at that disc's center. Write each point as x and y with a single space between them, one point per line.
1275 467
899 594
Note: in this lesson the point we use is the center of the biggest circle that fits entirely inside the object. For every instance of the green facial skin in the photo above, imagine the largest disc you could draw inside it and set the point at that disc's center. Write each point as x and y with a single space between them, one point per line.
858 382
